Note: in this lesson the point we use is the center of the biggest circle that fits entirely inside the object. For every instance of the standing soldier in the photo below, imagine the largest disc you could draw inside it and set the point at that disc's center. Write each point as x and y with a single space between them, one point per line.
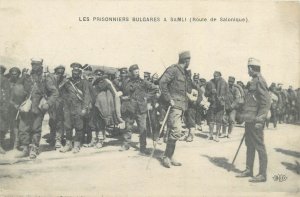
274 106
234 98
41 95
17 93
291 105
4 103
173 85
138 93
199 109
257 105
56 115
77 99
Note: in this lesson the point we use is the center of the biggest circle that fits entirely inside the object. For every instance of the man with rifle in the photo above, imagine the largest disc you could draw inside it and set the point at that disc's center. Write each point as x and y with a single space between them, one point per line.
255 110
76 97
41 95
173 85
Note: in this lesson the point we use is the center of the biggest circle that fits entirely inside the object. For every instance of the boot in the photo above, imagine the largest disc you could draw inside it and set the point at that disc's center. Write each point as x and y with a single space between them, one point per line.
166 162
175 163
58 144
218 133
172 151
34 151
76 148
168 154
99 144
211 131
144 151
190 137
245 173
67 147
257 179
23 153
2 151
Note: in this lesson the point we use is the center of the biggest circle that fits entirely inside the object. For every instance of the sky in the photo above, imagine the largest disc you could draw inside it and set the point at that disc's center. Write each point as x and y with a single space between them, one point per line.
52 30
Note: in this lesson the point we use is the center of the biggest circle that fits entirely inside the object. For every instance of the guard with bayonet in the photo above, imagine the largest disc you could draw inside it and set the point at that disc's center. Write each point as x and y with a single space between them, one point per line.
77 99
173 85
257 105
41 94
137 97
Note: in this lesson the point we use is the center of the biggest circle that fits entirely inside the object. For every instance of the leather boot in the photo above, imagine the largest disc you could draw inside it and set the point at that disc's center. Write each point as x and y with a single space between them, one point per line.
166 162
2 151
190 137
168 153
76 148
67 147
257 179
34 151
172 151
23 153
245 173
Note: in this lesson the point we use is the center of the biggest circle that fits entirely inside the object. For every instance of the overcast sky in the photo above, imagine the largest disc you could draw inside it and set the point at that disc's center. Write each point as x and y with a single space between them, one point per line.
51 30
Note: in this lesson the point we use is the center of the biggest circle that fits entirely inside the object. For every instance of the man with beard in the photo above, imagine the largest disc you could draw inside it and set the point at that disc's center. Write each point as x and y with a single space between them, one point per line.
173 85
41 95
77 99
257 105
234 99
56 115
4 103
138 93
17 92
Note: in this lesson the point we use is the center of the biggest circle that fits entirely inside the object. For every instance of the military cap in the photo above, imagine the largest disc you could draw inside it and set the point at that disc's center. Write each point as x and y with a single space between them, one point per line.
202 80
147 74
254 64
230 78
14 70
184 55
217 73
37 61
87 67
240 82
59 67
76 66
2 69
133 67
196 75
123 70
98 72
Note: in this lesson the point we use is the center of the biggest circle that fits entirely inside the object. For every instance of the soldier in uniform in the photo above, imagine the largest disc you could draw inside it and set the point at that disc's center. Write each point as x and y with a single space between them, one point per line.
17 89
4 103
199 107
77 99
173 85
56 115
234 98
257 105
274 106
41 95
291 105
137 93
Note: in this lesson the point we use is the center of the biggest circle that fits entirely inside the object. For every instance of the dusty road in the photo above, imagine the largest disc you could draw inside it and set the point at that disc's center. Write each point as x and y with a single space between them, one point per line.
204 172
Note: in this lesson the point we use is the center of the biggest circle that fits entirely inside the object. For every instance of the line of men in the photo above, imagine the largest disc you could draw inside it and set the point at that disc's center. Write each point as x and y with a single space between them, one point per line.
91 100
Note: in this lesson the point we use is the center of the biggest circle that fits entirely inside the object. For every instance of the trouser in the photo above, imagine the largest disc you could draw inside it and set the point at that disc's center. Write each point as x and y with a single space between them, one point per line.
231 121
30 128
154 123
140 119
100 125
273 118
73 120
56 121
254 140
87 131
174 126
3 125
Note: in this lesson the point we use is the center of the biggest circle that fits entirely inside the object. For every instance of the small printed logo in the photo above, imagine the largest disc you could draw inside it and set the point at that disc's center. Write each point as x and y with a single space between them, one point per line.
280 177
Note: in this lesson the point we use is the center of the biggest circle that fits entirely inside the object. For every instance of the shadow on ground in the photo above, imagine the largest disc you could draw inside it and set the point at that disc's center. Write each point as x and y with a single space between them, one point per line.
292 167
222 162
288 152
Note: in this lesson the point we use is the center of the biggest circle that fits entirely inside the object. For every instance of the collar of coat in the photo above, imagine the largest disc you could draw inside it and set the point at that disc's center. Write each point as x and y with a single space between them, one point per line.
181 69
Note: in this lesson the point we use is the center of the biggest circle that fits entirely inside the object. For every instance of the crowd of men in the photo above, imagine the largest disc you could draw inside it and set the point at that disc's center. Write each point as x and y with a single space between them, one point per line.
91 100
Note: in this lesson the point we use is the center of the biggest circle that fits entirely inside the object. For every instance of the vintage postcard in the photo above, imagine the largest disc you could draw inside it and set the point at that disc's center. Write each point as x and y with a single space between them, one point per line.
149 98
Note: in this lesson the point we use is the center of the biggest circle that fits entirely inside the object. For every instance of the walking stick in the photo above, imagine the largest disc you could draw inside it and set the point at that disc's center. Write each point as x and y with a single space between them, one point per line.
150 125
161 129
236 152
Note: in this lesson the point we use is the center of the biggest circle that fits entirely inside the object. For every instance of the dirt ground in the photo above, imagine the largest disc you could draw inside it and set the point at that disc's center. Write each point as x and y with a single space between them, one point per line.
109 172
